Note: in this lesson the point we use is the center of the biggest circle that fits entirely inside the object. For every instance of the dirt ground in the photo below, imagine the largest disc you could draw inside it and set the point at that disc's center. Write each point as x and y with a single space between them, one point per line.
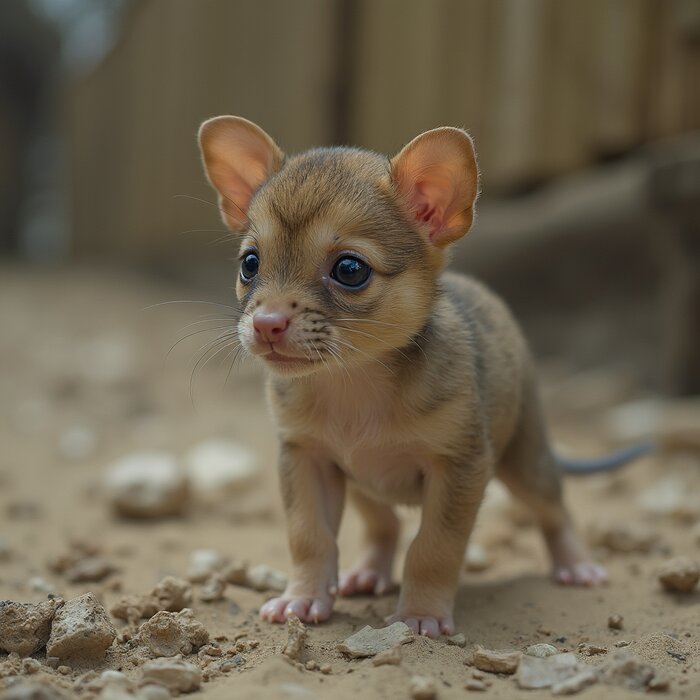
81 355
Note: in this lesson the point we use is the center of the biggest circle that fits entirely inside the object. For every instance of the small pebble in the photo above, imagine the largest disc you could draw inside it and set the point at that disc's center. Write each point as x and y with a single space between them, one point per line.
659 684
175 674
220 466
496 661
326 669
457 640
474 684
147 485
389 657
541 651
591 649
213 589
296 639
475 558
423 688
30 666
679 575
615 622
204 563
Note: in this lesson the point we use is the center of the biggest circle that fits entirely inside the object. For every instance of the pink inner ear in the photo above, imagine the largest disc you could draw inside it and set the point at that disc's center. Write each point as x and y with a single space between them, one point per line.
426 209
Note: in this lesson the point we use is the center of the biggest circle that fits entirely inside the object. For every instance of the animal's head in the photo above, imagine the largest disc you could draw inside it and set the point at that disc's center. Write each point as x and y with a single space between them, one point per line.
341 248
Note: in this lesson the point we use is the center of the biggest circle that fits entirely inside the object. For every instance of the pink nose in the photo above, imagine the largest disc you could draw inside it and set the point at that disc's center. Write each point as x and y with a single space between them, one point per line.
270 326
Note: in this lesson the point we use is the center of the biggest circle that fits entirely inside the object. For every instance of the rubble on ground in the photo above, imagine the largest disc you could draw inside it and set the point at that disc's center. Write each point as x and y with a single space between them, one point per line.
504 661
25 627
81 627
170 633
370 641
296 639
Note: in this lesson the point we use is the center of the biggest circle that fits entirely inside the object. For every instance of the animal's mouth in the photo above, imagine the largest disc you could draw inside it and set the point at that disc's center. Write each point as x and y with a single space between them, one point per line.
277 358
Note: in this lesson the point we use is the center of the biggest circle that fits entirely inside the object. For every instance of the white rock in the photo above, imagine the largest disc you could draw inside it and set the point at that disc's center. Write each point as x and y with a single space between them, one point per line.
673 423
175 674
203 563
575 684
541 651
672 496
220 466
147 485
369 641
423 688
543 673
152 691
41 585
261 577
475 558
110 676
77 443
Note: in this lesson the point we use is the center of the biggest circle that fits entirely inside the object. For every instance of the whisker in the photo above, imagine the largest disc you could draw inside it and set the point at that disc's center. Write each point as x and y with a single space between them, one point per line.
191 301
219 344
381 340
189 335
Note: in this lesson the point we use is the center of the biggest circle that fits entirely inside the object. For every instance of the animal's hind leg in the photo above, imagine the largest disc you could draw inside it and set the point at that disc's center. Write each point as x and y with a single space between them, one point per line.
371 573
529 470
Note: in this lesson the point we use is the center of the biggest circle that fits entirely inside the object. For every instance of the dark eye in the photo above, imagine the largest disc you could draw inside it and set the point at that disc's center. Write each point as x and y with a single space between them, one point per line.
351 272
249 266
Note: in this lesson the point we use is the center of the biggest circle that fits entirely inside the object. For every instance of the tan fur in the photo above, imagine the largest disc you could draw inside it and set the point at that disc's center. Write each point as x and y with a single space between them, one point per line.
416 389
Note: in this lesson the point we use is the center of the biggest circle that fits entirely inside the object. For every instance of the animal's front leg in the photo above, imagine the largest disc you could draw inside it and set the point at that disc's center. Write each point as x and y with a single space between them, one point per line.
313 492
452 495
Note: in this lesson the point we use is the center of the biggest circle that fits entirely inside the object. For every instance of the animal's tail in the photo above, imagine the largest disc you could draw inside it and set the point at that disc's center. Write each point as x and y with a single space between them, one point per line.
614 460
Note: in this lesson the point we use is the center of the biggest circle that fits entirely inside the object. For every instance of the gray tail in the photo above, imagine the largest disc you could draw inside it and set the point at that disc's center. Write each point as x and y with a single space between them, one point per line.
614 460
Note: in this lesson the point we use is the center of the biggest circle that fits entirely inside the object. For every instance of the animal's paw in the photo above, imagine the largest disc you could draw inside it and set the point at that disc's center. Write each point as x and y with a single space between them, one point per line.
317 609
582 573
365 580
426 625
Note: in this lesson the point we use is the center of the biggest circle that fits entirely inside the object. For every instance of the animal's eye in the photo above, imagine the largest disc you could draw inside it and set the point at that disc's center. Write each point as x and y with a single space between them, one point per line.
249 266
351 272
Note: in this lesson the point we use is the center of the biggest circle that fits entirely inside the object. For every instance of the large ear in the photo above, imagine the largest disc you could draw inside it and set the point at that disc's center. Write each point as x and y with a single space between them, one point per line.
437 177
238 157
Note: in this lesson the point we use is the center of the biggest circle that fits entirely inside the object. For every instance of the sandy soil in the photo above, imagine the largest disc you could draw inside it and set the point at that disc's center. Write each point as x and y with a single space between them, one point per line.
77 350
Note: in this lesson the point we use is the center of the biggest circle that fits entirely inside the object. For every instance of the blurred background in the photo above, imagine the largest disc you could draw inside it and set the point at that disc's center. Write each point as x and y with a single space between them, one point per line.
585 116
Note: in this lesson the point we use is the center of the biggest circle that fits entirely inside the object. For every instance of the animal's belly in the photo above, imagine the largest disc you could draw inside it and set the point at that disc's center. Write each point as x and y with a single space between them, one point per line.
394 475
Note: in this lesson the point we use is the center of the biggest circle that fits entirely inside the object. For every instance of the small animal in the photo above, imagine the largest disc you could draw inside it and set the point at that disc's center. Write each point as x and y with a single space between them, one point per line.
390 381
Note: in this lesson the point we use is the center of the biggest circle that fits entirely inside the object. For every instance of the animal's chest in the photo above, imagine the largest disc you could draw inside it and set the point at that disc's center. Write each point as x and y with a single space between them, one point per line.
370 438
393 474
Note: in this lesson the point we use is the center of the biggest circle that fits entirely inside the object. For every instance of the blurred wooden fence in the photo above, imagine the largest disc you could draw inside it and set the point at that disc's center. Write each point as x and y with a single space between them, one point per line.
545 87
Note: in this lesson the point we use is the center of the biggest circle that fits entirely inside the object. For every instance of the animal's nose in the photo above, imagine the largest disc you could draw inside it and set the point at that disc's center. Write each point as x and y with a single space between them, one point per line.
270 326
